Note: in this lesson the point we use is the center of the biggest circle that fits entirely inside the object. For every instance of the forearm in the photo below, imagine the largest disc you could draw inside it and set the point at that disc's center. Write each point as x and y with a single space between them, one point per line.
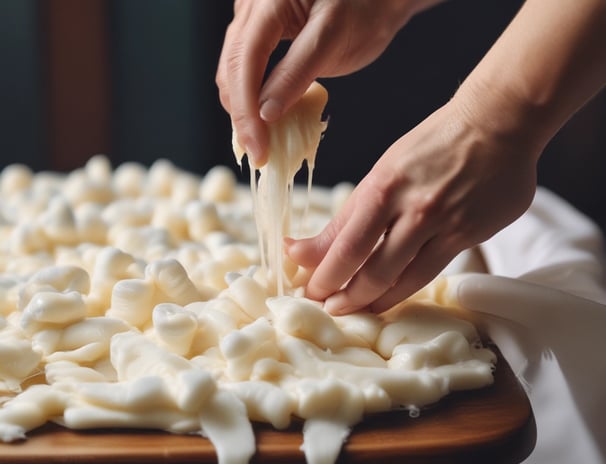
545 66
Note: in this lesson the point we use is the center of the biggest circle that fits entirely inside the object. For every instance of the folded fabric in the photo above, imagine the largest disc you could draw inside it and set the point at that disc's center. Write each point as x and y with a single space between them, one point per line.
541 294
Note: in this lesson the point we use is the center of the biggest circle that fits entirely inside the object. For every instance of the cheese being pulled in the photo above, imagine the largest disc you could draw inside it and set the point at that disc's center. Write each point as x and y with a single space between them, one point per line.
293 139
135 298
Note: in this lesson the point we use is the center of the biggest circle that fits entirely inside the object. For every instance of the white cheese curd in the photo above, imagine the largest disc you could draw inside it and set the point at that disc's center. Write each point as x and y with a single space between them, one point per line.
219 185
15 178
17 361
142 298
322 440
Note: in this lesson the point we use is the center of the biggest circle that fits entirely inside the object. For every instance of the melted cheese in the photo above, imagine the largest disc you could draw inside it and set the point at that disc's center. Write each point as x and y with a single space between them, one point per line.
165 321
293 139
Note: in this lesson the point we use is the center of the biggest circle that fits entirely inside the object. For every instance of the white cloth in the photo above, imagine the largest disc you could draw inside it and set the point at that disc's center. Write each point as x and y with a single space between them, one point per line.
543 300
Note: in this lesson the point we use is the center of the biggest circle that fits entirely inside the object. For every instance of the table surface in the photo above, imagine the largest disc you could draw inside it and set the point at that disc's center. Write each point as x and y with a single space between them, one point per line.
494 424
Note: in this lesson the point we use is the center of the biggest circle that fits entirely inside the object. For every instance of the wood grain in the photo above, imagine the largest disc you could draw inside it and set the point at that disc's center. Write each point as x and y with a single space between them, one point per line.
492 425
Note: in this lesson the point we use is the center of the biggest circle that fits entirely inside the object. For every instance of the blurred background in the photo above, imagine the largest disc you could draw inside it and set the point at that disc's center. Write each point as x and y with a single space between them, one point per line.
134 79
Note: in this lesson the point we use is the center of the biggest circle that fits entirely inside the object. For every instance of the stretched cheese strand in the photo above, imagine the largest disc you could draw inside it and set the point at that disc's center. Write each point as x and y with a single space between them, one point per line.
323 440
292 140
225 422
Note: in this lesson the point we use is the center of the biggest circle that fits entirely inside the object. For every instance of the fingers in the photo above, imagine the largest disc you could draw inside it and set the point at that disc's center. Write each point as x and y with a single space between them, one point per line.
399 263
252 36
249 41
346 243
383 268
309 252
430 260
304 61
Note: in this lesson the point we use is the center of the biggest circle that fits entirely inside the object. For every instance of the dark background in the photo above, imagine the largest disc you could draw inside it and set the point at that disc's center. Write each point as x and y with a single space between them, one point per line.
134 79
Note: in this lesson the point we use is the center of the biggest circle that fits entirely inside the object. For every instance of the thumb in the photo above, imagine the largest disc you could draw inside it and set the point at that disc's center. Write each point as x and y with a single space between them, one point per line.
304 61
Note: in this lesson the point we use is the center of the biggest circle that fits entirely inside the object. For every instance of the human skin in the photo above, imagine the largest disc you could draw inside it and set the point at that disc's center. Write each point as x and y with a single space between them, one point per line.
329 38
461 175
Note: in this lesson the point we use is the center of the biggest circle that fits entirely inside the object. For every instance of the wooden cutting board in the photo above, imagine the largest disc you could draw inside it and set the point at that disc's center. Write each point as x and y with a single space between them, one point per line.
492 425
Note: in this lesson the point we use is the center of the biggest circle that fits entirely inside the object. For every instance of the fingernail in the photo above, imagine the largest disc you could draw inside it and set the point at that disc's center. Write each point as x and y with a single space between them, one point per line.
287 243
252 151
271 110
336 304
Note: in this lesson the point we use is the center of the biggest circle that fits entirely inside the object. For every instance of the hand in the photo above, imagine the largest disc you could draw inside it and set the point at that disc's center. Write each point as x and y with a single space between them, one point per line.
448 184
329 38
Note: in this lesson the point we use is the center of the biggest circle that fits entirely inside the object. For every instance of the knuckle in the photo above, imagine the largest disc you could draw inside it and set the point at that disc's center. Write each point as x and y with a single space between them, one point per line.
235 57
377 192
240 120
223 93
288 80
373 282
461 239
346 253
318 291
426 207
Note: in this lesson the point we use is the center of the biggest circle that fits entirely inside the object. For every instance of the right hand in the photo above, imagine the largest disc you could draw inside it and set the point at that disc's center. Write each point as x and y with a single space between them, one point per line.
447 185
329 38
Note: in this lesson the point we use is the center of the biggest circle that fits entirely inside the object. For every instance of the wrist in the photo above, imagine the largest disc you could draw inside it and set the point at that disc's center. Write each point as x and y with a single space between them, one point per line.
544 67
503 115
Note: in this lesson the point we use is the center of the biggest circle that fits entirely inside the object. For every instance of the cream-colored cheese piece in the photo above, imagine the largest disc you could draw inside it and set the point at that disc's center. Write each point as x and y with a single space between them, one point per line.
322 440
293 139
146 287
